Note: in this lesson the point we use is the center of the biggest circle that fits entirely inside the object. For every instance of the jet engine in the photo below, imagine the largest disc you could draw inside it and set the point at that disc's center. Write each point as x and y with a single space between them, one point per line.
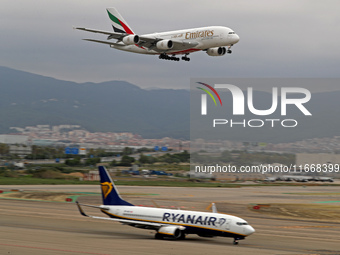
217 51
131 39
174 231
164 45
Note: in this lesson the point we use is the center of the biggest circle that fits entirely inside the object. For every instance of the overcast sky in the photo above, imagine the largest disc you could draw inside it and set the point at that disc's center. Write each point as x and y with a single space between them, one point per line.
281 38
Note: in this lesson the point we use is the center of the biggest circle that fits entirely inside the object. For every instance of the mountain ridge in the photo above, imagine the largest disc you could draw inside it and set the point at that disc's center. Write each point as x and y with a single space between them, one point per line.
112 106
28 99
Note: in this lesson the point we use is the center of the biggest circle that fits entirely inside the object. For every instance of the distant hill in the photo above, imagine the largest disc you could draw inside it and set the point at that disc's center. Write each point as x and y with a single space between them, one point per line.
116 106
28 99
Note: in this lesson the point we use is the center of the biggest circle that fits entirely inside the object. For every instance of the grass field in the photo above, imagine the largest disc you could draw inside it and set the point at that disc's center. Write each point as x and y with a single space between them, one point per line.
145 182
28 180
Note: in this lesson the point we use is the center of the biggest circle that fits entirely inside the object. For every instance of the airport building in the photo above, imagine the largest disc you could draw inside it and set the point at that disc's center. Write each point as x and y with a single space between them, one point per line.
14 139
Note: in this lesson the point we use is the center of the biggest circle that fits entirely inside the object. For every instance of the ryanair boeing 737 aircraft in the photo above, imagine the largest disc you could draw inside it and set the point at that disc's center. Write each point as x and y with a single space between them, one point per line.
167 45
175 224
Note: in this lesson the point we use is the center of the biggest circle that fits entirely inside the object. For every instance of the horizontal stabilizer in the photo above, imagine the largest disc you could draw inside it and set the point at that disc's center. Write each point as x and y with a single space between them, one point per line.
95 206
125 221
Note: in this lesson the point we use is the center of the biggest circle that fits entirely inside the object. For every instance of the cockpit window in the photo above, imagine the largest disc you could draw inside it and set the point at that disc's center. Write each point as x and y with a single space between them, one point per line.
241 223
231 33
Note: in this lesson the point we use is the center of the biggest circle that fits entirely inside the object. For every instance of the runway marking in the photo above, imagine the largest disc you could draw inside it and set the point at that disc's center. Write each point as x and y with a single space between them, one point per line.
51 249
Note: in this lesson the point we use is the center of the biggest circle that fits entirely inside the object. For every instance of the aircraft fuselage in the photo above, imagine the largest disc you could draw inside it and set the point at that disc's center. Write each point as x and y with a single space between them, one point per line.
206 37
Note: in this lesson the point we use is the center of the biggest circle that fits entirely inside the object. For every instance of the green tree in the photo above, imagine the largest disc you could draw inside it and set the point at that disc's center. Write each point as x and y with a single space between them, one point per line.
92 161
73 162
144 159
45 152
4 149
226 157
127 151
126 161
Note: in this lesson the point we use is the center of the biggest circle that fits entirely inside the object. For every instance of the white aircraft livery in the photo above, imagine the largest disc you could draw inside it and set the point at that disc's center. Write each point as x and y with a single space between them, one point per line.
167 45
175 224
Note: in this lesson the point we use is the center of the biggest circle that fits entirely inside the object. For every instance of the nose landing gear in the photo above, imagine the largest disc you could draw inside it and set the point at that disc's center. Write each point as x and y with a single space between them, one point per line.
236 239
229 49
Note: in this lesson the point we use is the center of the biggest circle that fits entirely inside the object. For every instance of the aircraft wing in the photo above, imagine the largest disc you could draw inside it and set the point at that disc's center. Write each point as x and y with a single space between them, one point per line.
124 221
104 42
112 35
150 43
179 45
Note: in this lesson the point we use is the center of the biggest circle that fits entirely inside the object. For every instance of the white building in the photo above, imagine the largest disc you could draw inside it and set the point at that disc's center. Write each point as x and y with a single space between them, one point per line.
14 139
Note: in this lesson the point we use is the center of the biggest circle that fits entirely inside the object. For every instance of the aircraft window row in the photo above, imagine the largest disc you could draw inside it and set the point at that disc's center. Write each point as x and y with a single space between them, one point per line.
241 223
231 33
140 215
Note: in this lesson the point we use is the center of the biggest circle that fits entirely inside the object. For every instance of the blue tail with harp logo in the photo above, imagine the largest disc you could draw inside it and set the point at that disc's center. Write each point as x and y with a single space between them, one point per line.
109 193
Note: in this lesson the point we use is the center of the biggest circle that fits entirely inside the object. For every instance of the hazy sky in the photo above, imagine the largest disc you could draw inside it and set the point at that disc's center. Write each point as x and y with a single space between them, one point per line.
281 38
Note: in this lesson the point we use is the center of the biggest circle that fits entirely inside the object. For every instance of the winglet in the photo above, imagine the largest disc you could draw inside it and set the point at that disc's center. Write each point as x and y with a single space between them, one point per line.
81 210
213 208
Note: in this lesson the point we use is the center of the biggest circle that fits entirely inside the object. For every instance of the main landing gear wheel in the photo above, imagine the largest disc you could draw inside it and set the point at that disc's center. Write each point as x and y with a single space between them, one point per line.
182 236
167 57
185 58
173 57
235 242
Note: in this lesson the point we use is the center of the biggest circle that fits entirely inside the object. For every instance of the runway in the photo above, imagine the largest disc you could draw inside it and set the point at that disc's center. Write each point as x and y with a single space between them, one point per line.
35 227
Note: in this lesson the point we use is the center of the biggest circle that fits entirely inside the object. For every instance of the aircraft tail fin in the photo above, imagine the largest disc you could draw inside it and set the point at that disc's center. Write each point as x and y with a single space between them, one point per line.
119 25
109 193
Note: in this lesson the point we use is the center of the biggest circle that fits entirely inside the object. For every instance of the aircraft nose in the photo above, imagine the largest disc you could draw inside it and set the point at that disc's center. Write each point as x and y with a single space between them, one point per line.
249 230
236 38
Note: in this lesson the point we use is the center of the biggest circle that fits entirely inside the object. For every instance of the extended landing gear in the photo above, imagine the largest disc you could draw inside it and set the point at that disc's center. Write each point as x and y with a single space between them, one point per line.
173 57
167 57
236 240
229 49
185 58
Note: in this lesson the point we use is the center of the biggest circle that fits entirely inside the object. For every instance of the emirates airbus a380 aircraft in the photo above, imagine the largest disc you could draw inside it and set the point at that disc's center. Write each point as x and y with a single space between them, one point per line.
175 224
213 40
